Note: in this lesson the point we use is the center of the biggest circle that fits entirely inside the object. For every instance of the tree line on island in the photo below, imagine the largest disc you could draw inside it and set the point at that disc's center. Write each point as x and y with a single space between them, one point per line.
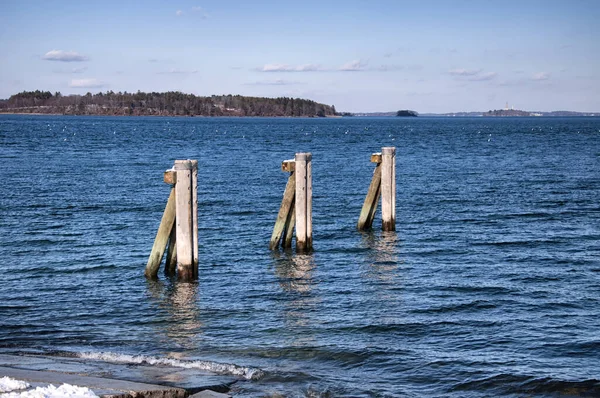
171 103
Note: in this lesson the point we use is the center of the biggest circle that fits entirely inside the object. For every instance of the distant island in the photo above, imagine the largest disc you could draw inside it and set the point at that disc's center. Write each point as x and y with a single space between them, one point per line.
172 103
406 113
514 113
490 113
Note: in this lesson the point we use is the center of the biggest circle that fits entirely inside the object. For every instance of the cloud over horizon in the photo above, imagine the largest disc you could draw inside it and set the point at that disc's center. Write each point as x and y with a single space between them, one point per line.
290 68
86 83
540 76
175 71
276 82
472 75
354 66
64 56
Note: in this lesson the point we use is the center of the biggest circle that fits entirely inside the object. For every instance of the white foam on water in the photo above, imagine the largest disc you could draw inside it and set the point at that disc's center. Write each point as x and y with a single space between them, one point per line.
63 391
215 367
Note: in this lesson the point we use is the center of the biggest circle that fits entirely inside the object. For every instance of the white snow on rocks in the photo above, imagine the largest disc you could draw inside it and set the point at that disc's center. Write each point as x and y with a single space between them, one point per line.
9 388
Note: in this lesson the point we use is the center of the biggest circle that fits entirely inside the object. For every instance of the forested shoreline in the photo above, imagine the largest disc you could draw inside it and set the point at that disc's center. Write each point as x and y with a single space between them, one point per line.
172 103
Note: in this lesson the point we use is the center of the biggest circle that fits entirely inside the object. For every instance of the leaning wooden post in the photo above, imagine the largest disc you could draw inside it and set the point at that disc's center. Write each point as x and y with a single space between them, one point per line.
388 188
186 235
160 242
285 218
367 214
303 203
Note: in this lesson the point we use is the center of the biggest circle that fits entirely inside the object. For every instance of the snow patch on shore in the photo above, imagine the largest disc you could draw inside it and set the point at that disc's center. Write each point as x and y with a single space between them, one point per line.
215 367
7 384
9 388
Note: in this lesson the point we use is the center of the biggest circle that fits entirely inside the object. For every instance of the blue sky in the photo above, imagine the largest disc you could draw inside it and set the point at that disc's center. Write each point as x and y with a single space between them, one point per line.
359 55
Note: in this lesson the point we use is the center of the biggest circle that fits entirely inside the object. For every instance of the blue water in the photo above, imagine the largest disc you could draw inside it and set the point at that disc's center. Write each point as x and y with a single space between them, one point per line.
489 287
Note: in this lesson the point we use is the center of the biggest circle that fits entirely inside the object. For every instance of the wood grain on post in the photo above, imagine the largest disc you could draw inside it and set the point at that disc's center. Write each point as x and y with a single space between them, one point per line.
394 188
184 217
388 185
302 202
284 210
160 242
195 217
288 165
289 228
309 229
367 214
171 260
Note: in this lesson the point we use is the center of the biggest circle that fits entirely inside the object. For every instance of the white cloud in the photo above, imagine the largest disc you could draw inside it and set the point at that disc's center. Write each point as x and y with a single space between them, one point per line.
354 66
276 82
179 13
291 68
390 68
200 11
464 72
175 71
64 56
86 83
483 77
540 76
277 68
308 68
472 75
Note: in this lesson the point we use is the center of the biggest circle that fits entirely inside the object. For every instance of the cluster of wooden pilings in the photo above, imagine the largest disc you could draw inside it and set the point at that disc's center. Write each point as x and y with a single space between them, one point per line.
382 185
178 230
296 206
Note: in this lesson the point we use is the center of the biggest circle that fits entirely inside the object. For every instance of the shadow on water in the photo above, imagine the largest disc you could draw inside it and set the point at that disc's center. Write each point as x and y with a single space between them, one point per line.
180 301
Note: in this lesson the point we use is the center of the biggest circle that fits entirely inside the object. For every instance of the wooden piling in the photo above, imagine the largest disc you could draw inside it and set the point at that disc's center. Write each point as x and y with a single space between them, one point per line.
388 188
195 217
171 260
286 240
160 242
186 235
367 214
283 217
303 205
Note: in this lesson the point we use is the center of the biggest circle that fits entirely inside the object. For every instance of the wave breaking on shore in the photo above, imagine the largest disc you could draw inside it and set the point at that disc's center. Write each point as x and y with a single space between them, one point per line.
222 368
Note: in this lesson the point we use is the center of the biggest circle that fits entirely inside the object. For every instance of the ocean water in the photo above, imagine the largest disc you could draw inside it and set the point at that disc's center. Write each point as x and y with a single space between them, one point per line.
489 287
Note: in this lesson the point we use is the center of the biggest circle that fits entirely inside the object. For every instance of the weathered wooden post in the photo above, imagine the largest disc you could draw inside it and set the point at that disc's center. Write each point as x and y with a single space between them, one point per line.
298 190
388 188
383 184
303 204
284 224
186 219
367 214
179 224
160 242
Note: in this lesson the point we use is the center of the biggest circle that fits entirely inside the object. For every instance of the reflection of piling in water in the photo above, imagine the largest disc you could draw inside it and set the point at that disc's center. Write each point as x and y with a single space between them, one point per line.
296 206
295 272
180 301
383 184
181 212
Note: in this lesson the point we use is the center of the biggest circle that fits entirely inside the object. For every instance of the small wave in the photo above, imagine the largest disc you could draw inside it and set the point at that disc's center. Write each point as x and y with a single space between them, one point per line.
215 367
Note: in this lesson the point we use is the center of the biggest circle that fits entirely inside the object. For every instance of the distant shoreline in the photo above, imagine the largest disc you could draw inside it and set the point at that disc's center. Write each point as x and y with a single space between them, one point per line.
177 116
